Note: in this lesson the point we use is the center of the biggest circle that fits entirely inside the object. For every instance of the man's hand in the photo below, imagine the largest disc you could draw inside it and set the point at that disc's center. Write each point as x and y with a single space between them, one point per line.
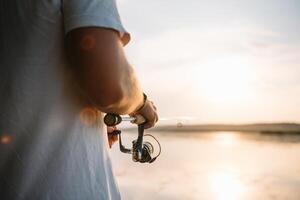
149 112
111 137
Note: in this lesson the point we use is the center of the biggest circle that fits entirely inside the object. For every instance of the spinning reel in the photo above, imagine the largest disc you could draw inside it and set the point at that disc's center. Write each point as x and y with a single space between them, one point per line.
140 151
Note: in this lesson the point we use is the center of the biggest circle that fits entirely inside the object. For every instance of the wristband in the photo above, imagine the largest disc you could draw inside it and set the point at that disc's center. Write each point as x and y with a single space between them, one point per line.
144 102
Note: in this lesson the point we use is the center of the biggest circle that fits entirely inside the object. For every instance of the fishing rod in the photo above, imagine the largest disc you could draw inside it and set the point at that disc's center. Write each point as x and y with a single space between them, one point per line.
141 151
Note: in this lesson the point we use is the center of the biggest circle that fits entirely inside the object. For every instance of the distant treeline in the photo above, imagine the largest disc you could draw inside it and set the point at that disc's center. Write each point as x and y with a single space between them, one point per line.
262 128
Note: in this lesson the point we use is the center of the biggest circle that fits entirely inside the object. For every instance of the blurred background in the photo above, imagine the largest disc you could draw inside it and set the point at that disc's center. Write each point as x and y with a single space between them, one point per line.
225 76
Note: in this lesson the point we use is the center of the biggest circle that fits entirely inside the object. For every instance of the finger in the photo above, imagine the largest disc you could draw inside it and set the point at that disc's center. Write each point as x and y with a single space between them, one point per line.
146 126
152 103
109 143
149 124
156 117
110 129
114 138
154 107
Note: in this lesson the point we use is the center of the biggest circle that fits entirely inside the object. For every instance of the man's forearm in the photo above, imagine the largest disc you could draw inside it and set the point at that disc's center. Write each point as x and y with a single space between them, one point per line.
97 57
130 97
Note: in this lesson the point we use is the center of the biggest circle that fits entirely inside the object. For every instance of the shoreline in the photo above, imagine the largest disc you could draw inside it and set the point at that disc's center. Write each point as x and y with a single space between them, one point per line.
272 128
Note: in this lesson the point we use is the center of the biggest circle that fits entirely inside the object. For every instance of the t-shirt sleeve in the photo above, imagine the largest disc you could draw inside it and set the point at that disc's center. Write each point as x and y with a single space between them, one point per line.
93 13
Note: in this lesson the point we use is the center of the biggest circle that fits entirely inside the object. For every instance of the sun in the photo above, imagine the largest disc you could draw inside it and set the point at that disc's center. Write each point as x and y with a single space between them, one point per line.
225 80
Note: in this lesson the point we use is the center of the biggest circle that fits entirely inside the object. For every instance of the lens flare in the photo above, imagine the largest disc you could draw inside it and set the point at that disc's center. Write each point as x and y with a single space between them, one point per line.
88 116
87 42
5 139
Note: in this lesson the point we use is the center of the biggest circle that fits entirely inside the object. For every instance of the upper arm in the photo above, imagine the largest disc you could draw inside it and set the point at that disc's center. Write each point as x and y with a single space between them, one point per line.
93 13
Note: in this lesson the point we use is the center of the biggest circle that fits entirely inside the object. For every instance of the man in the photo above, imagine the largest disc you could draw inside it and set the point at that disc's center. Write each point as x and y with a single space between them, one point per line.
61 65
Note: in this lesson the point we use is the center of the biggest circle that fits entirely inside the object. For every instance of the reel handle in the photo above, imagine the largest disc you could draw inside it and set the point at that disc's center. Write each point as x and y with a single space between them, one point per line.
114 119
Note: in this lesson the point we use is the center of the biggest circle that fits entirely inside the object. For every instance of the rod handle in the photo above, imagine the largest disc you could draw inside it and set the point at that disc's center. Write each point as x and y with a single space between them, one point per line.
113 119
138 119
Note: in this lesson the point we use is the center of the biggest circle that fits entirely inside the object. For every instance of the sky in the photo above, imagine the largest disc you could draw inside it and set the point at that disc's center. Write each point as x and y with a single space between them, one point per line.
217 61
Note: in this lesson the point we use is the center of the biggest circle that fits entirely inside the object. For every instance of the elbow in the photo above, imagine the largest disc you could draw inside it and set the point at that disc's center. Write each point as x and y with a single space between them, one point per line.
112 102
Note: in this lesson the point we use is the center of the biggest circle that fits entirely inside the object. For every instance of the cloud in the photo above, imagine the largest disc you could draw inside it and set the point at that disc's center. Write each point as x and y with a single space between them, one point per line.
177 47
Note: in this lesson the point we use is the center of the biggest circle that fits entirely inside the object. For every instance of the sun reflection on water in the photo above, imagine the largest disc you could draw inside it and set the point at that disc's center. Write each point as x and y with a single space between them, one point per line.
226 186
226 139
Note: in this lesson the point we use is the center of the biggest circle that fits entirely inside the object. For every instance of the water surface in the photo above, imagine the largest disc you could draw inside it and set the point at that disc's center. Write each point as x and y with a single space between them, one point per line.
213 166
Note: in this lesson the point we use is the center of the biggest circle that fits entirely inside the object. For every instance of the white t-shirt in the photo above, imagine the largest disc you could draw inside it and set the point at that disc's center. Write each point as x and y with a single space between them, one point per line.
52 144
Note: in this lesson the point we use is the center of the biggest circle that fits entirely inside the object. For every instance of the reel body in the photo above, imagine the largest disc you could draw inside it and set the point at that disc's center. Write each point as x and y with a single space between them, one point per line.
141 151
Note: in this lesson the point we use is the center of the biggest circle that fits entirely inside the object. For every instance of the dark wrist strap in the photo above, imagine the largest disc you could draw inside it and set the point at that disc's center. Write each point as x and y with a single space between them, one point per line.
144 102
145 97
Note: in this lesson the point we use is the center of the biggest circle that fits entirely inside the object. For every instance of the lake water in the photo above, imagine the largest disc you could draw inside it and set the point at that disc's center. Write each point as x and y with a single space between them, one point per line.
213 166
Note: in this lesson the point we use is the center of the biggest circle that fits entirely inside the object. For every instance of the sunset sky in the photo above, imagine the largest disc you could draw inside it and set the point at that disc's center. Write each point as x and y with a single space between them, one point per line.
217 61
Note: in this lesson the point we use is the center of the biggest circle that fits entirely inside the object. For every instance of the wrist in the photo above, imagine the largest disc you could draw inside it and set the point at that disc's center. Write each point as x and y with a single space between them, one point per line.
142 105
